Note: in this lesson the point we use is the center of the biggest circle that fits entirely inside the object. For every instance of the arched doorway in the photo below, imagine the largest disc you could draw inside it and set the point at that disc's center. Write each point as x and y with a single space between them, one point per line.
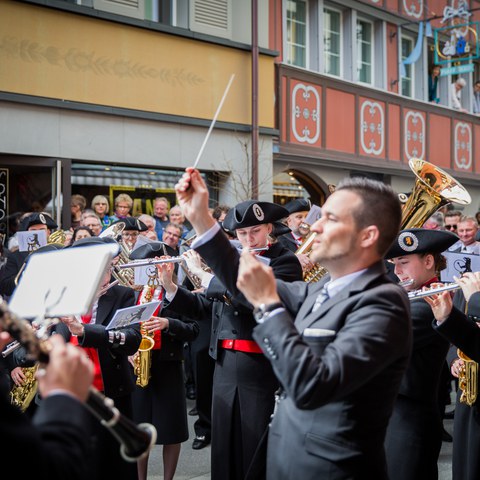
297 183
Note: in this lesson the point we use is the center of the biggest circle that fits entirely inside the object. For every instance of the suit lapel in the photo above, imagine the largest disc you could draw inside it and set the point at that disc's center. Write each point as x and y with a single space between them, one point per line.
306 317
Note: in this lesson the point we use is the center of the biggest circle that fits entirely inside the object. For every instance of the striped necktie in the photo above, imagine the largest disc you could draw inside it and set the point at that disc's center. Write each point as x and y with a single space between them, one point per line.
321 298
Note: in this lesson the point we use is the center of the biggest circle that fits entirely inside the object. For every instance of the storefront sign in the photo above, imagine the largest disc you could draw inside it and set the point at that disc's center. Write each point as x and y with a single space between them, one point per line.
3 203
458 69
142 197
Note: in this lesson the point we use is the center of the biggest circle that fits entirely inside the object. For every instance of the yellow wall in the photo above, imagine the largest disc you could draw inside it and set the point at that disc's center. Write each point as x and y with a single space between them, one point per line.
54 54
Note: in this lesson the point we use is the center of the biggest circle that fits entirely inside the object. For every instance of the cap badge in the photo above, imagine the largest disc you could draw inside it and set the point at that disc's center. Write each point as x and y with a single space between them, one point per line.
42 218
258 212
138 225
408 241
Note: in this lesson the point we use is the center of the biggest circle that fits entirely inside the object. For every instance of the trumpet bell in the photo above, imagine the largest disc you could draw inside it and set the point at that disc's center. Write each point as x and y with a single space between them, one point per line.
114 231
433 189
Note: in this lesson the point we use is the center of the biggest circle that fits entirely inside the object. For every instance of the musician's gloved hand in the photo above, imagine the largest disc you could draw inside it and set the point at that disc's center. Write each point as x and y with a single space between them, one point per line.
68 371
256 280
192 194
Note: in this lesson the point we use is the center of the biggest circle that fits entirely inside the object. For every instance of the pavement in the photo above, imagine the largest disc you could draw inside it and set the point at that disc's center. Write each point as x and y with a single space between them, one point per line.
195 464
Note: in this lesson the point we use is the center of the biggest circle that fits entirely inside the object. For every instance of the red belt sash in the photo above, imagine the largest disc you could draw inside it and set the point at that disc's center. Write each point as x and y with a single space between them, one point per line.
248 346
92 354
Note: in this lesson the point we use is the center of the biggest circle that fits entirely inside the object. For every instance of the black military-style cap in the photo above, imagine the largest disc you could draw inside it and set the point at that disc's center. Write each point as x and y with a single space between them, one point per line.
280 228
152 250
89 241
298 205
132 223
37 218
421 240
253 212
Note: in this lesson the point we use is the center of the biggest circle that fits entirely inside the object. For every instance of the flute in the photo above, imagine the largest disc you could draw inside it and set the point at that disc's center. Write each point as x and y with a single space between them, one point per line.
433 291
152 261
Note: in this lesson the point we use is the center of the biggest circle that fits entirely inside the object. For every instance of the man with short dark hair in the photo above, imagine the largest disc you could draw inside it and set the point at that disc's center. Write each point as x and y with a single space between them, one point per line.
330 420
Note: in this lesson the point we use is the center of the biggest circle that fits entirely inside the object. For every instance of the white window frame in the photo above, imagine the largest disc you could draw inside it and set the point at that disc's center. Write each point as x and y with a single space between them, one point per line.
341 53
411 67
286 45
358 52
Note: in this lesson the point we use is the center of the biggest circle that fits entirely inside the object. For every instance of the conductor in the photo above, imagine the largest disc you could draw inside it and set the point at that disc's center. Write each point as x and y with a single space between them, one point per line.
331 418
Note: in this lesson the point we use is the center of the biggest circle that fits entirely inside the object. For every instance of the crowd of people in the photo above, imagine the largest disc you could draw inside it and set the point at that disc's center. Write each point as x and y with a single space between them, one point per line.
344 377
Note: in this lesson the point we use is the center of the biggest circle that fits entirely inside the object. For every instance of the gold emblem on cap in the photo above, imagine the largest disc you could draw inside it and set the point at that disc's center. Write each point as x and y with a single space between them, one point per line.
408 241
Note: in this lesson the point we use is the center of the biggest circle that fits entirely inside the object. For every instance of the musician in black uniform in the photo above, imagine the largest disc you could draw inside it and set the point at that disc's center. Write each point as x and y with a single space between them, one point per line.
15 260
462 330
414 434
162 401
244 382
298 210
109 350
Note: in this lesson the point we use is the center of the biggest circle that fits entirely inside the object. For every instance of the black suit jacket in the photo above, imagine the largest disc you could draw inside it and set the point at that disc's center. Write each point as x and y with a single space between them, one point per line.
113 358
332 420
55 445
9 271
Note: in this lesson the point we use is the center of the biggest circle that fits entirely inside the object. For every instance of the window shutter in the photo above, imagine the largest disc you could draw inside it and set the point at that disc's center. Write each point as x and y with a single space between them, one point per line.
129 8
212 17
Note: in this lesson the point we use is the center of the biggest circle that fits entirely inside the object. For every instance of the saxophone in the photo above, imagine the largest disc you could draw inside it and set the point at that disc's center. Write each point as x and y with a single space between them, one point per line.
315 273
22 395
467 379
143 358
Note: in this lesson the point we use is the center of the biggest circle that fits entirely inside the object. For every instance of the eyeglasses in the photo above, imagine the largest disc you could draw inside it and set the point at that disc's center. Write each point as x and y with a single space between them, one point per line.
451 227
101 203
130 234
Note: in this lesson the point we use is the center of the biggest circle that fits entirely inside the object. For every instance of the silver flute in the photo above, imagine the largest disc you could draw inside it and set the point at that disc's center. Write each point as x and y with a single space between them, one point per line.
152 261
433 291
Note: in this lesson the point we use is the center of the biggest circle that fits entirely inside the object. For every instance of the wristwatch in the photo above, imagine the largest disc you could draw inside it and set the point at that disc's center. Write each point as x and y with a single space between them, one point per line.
262 312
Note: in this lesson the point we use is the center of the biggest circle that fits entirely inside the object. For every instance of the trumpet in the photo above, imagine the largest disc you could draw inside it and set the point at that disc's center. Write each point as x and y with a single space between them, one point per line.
135 440
433 291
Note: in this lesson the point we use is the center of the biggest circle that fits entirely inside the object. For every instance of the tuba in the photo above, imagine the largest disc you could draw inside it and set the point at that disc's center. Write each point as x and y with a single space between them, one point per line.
143 358
433 189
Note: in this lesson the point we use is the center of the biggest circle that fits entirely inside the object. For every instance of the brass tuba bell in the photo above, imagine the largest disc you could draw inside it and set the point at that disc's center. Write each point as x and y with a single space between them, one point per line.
433 189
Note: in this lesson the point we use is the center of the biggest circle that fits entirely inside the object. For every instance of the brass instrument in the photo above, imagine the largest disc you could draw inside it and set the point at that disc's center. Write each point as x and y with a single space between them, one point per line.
433 189
143 357
136 441
125 276
317 271
22 395
467 379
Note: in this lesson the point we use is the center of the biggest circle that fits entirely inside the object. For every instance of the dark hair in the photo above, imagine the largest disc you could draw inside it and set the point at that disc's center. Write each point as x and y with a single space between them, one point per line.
439 261
375 195
218 210
453 213
75 232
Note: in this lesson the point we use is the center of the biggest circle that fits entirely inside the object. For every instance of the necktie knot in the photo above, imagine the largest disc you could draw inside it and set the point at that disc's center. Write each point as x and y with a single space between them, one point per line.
321 298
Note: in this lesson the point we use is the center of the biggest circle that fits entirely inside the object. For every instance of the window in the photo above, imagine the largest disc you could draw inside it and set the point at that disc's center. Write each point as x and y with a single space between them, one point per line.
332 21
296 47
407 80
364 51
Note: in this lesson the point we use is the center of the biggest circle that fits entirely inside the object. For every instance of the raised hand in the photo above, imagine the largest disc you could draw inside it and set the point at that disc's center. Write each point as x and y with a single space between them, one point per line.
192 195
470 283
165 275
441 305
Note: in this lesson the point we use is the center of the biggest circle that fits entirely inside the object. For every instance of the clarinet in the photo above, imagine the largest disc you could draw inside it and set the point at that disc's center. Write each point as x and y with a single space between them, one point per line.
136 441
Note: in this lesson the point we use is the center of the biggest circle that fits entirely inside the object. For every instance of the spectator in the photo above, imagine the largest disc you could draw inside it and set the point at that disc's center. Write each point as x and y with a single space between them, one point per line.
149 221
123 206
171 236
160 209
456 94
176 216
78 204
467 230
81 232
435 222
101 207
94 223
452 219
433 84
476 98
